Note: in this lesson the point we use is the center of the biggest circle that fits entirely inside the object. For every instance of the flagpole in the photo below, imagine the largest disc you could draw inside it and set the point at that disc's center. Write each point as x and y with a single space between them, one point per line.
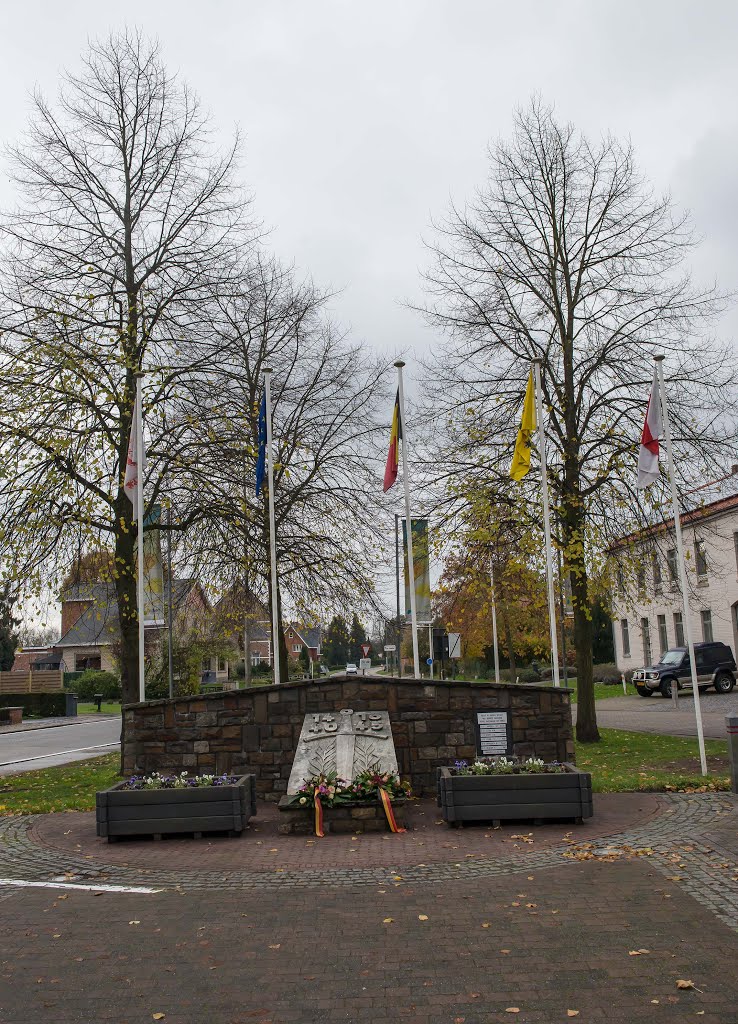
272 528
408 522
658 359
494 621
546 524
138 427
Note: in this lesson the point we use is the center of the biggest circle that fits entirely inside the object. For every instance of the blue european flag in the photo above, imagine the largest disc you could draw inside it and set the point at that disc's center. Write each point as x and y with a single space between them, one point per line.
261 460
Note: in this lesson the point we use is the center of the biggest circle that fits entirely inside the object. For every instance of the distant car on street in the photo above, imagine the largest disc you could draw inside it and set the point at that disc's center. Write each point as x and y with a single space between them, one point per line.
351 669
715 667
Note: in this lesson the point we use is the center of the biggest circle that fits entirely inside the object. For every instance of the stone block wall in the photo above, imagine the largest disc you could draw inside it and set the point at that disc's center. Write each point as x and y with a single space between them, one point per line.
257 730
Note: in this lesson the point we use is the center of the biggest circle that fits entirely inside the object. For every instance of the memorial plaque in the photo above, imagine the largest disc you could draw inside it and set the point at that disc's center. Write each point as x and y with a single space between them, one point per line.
345 742
494 733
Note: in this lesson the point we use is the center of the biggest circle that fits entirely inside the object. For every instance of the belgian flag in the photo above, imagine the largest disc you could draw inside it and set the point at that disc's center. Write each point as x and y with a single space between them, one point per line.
390 469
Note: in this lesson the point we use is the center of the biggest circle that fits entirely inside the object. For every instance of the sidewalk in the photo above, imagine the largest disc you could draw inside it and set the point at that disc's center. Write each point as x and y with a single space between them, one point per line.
31 724
436 926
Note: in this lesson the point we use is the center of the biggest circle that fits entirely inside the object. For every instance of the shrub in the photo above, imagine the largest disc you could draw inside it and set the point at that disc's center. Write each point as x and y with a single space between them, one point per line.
527 675
93 681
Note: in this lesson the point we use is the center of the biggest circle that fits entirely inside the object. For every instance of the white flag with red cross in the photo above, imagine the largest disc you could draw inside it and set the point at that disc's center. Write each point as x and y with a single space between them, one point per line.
134 460
648 457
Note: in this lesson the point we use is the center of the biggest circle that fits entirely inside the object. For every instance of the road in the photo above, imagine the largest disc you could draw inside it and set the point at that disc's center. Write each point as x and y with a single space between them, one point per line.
657 715
44 748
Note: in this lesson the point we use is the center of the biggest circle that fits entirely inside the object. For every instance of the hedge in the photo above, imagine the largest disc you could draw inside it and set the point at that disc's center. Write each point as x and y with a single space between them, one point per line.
36 705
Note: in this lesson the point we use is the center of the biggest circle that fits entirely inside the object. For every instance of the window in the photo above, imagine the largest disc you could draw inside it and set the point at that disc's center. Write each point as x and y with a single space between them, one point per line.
706 616
84 661
292 635
255 659
626 637
735 545
663 636
646 636
700 559
296 648
671 561
620 579
656 567
221 664
641 578
678 630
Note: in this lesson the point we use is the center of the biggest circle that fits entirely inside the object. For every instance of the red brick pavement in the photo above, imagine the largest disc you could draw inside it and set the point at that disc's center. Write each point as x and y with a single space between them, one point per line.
427 841
556 942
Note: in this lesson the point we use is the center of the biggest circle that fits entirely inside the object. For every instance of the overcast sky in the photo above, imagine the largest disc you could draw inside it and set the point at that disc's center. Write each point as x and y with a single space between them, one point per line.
361 120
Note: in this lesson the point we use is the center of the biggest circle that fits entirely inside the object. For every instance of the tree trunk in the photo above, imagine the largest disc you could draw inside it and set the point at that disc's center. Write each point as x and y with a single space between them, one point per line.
587 731
284 665
507 629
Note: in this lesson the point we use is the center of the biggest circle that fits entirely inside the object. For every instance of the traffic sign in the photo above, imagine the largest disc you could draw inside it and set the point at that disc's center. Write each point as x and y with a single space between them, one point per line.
429 661
454 645
365 648
365 663
390 647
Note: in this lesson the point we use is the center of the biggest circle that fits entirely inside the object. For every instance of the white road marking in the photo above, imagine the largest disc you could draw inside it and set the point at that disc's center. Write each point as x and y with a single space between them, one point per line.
58 753
23 884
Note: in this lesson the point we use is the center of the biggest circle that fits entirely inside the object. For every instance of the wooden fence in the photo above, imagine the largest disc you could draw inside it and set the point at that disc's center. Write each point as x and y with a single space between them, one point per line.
42 681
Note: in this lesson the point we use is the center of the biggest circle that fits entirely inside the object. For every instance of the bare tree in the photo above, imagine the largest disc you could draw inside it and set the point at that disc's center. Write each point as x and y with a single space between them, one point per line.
327 400
129 221
566 254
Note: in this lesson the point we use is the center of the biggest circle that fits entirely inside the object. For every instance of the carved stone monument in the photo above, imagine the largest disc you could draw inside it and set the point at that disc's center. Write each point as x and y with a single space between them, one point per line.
347 742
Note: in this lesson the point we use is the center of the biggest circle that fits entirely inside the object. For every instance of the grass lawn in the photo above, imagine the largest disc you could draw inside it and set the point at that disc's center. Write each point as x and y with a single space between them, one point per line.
91 709
602 692
621 762
627 761
68 787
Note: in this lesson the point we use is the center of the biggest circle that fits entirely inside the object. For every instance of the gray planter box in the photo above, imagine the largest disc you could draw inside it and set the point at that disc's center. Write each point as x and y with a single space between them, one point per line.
145 812
499 798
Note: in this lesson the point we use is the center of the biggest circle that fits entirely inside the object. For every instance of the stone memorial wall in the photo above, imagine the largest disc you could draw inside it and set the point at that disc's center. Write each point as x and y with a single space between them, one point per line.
433 724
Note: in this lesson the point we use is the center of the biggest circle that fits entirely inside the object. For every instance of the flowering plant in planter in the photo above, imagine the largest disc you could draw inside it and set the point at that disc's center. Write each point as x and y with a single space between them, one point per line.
182 781
367 784
507 766
326 789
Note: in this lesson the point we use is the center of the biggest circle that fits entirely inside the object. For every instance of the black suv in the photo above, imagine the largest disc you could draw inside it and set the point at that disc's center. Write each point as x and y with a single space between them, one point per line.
715 667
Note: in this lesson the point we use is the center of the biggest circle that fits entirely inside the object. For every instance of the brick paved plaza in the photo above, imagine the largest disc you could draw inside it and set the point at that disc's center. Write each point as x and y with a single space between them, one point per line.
269 928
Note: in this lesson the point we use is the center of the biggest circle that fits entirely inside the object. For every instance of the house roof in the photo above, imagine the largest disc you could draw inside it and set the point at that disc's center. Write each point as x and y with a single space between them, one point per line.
697 514
98 624
310 635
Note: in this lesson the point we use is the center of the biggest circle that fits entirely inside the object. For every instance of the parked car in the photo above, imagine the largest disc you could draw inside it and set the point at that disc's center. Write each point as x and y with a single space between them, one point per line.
715 667
351 669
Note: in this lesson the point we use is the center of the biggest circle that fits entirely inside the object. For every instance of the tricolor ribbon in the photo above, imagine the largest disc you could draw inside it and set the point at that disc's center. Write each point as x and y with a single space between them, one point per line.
318 817
387 804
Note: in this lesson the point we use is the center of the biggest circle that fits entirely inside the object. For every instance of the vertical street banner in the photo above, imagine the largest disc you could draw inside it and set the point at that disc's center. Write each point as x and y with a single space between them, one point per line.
421 564
153 570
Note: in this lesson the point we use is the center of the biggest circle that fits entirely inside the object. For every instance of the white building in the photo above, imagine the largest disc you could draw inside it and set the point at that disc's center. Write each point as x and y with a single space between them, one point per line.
646 603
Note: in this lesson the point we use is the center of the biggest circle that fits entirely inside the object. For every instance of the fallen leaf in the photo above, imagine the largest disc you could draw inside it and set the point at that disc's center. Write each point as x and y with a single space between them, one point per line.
638 952
485 924
134 922
683 983
512 1009
504 950
276 946
572 1013
388 920
158 1016
422 917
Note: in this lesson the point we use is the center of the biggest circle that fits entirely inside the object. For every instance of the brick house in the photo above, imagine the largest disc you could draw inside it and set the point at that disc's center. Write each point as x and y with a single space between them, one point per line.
89 626
296 637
